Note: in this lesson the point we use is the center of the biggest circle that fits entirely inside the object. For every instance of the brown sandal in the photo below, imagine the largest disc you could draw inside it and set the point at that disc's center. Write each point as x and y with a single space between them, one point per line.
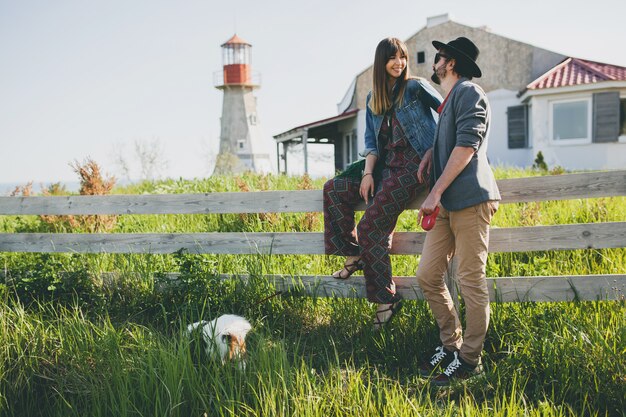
394 308
350 269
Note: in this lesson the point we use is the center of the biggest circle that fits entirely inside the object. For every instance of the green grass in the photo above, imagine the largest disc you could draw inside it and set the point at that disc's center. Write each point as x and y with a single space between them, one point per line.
310 357
75 342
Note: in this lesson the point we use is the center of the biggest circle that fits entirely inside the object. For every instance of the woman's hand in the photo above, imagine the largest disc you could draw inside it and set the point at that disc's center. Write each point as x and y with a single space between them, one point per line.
423 172
367 180
367 187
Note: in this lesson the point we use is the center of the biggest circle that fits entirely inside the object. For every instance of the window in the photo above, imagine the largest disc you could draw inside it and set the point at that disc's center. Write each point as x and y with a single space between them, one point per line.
421 57
348 148
622 117
241 143
571 121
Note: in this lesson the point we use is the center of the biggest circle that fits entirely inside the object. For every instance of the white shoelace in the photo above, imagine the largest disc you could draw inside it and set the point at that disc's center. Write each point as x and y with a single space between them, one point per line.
453 366
438 356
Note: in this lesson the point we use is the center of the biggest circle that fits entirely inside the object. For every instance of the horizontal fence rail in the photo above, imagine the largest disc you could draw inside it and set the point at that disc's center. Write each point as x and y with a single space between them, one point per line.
514 239
501 289
517 190
505 289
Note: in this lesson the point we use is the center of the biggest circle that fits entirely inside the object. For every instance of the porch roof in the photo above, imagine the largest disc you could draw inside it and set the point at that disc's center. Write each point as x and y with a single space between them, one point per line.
320 129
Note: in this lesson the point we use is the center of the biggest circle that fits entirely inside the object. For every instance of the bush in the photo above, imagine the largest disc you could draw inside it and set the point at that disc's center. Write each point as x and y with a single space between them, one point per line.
59 278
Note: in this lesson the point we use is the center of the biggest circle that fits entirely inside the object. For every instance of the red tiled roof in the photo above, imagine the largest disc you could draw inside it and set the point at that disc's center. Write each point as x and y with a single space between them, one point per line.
235 40
575 71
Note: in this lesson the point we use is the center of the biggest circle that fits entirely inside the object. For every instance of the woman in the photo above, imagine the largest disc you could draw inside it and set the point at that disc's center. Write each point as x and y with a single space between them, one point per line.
399 131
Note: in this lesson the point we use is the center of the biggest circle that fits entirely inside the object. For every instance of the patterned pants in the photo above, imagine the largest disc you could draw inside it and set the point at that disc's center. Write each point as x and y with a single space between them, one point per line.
372 237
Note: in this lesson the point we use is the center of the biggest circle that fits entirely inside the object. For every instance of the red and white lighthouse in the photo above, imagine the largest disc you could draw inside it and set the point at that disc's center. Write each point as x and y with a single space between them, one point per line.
242 147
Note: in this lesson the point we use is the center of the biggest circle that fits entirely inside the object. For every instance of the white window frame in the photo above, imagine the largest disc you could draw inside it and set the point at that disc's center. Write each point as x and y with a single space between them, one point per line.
575 141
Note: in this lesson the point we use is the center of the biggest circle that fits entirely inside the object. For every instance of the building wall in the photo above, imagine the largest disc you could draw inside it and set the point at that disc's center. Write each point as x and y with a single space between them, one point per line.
498 151
360 126
572 156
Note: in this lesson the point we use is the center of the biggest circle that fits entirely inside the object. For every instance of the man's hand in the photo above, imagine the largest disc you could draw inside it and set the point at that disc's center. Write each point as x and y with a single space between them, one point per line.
423 172
367 187
429 205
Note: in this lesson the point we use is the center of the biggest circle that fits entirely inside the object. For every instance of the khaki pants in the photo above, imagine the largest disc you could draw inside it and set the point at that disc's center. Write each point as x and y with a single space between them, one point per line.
464 234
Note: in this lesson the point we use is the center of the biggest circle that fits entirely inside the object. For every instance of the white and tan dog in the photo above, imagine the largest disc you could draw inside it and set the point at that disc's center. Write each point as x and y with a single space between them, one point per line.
226 336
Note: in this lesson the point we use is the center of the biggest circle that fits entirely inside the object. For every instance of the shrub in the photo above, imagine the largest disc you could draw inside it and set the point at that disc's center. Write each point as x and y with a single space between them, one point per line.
91 183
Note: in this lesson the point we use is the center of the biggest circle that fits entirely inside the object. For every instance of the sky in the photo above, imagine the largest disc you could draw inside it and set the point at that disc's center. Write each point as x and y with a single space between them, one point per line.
94 79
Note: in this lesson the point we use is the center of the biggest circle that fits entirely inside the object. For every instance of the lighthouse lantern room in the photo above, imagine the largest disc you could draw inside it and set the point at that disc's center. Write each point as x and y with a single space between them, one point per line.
236 59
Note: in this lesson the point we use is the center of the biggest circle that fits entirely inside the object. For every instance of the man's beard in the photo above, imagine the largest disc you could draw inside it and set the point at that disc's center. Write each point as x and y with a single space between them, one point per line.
438 74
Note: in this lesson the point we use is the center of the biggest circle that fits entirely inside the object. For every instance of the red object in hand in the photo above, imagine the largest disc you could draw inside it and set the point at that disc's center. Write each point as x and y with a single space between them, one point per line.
428 220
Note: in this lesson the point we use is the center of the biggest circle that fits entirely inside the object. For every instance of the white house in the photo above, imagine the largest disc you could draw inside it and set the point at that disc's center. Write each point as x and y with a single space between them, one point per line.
575 114
537 99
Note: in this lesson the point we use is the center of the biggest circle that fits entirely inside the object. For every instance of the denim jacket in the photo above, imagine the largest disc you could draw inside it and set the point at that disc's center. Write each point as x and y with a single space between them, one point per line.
414 115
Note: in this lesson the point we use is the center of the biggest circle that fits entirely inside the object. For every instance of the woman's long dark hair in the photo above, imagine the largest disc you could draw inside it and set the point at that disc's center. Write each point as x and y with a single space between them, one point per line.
381 100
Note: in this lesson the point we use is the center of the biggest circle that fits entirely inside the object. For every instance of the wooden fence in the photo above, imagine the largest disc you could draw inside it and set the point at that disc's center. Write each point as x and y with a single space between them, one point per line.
508 289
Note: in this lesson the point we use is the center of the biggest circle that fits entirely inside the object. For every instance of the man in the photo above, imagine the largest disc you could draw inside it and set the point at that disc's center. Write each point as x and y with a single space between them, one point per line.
464 188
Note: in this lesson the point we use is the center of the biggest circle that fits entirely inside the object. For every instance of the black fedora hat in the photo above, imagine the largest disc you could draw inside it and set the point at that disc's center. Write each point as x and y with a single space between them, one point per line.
464 50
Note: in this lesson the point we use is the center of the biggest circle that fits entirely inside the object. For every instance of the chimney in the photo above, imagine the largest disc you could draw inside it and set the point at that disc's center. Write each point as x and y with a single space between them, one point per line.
437 20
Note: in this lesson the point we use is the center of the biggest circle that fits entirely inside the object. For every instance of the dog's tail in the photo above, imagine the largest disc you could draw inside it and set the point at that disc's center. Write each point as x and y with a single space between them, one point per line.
194 326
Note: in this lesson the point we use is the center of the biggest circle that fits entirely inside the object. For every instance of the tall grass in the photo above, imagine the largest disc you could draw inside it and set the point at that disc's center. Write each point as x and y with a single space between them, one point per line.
76 341
542 359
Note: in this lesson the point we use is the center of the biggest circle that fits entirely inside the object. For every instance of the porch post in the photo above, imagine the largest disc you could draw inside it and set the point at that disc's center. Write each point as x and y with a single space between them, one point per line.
285 144
305 140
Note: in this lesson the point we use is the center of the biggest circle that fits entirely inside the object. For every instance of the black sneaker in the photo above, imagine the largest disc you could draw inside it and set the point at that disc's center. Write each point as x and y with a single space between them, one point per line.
457 369
440 357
